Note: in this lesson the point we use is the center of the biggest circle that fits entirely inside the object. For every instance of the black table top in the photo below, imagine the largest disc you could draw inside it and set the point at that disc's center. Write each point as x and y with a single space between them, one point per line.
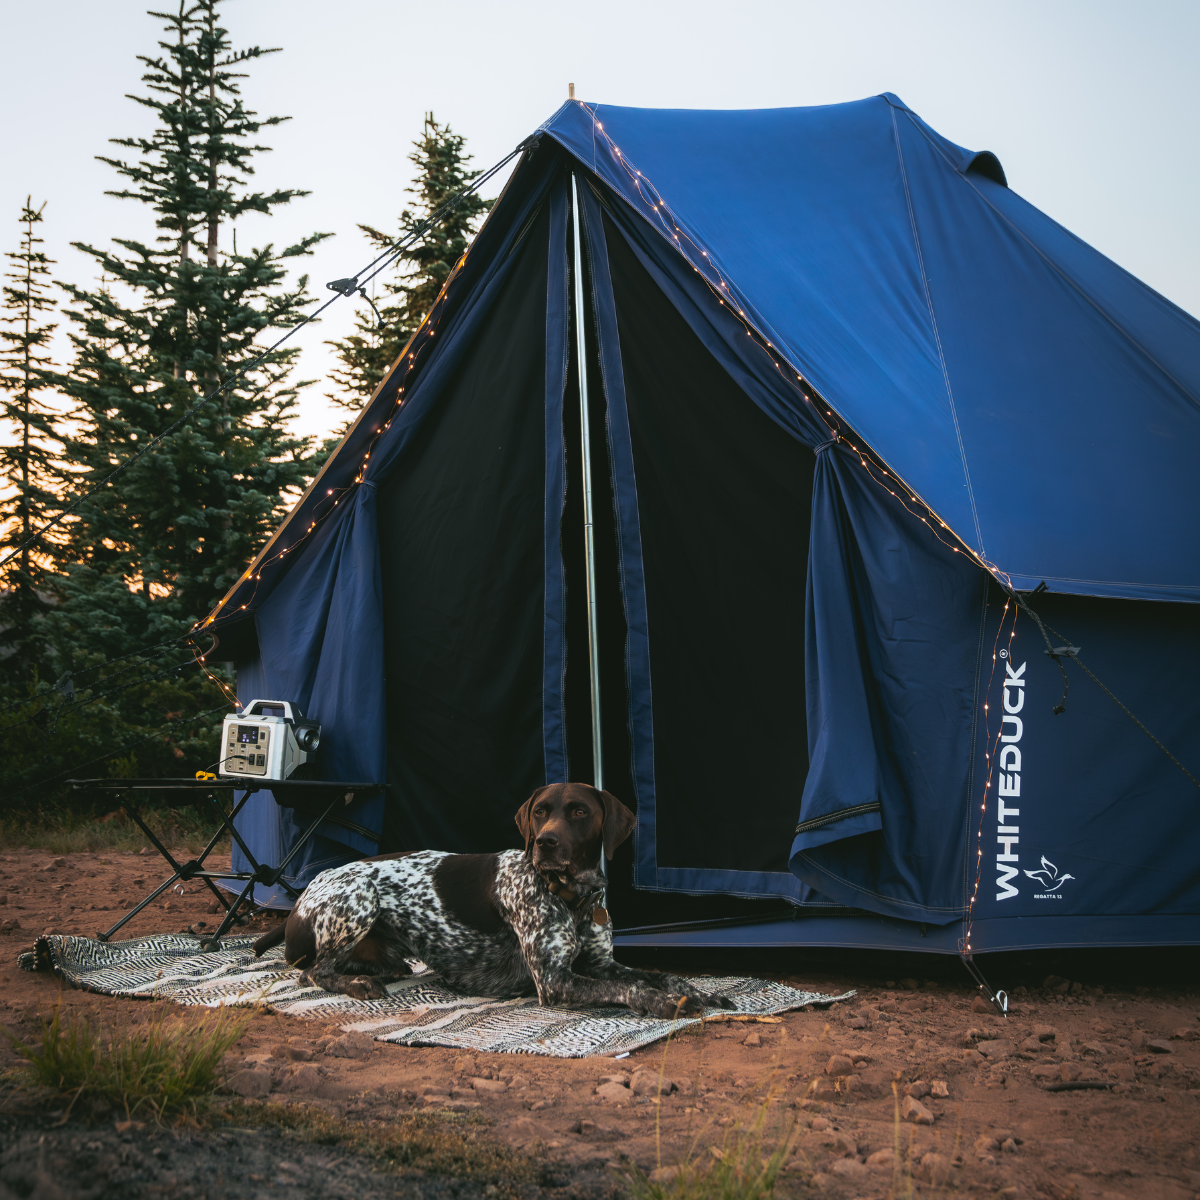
224 781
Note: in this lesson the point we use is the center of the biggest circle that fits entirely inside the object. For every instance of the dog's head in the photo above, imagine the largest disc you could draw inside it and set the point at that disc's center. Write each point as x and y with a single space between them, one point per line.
565 826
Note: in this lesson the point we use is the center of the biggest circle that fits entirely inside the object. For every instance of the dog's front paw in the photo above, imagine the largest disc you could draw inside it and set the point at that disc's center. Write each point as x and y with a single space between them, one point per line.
711 1000
362 987
653 1003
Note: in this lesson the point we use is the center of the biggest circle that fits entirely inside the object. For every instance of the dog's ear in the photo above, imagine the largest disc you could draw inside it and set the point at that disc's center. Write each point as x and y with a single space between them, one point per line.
524 818
618 823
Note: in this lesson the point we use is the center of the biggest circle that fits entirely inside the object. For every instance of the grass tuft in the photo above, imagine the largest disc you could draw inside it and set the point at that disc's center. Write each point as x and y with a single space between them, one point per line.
161 1069
64 831
745 1167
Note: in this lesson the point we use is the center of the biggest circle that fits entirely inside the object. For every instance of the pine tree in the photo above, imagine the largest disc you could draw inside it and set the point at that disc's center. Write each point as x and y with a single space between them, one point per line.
177 528
441 172
27 464
179 313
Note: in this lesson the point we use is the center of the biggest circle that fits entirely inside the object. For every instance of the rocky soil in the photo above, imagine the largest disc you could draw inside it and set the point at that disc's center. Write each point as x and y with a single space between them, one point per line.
914 1087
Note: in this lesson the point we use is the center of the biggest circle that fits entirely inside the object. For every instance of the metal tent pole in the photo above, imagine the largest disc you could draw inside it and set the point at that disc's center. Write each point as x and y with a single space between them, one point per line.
589 528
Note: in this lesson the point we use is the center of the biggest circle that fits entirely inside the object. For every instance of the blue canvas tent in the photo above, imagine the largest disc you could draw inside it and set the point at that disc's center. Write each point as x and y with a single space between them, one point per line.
874 433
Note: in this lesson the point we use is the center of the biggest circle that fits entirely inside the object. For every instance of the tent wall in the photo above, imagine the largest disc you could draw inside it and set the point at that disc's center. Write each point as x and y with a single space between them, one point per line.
1087 790
460 530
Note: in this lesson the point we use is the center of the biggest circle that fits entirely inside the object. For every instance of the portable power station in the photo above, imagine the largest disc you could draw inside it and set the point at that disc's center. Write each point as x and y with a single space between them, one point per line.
268 739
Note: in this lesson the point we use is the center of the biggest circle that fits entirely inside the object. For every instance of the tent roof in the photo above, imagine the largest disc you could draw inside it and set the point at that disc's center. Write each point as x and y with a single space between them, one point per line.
1038 398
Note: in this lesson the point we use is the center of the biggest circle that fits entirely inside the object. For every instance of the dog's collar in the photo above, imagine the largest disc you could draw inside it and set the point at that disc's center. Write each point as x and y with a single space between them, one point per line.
579 900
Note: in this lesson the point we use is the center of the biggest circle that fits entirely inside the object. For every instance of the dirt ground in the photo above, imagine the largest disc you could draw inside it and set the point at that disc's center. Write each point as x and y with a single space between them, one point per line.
971 1114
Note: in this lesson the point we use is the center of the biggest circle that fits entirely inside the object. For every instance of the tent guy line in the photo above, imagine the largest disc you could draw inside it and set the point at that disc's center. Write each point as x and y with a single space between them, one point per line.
1066 650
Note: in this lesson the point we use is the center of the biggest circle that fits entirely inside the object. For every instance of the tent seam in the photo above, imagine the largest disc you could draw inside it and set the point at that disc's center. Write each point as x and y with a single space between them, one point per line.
937 337
1064 275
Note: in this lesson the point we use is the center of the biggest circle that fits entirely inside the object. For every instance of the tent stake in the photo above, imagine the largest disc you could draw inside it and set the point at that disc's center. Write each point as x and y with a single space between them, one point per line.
589 529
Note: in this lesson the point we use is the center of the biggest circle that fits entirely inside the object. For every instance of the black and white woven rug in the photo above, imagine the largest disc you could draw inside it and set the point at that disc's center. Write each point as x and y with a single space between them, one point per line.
418 1011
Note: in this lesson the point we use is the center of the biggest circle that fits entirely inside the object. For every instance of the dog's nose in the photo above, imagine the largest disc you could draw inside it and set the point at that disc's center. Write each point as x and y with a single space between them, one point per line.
547 840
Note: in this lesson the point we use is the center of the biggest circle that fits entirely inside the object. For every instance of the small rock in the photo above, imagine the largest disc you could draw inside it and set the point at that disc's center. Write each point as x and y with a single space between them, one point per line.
1160 1046
881 1161
1045 1033
939 1090
146 850
986 1144
1031 1044
820 1125
524 1131
909 985
915 1112
1046 1071
214 907
294 1053
1008 1146
839 1064
646 1083
351 1045
839 1144
489 1087
980 1005
918 1090
853 1023
250 1083
972 1056
1123 1071
1000 1048
305 1078
3 898
614 1093
753 1040
935 1167
849 1168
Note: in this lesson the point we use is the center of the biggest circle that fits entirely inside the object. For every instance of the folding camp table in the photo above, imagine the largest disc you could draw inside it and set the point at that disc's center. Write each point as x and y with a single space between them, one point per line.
303 795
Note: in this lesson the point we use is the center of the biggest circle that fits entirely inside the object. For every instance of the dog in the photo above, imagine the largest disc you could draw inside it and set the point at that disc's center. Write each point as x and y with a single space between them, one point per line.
508 924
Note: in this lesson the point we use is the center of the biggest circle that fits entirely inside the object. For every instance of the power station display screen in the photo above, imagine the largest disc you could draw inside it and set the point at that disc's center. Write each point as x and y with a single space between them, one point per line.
248 733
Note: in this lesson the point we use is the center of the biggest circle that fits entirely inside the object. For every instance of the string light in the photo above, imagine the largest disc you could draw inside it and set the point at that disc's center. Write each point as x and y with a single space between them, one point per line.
964 946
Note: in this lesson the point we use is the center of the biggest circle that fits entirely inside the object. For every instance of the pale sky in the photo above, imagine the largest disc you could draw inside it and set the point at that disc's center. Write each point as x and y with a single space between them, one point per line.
1089 105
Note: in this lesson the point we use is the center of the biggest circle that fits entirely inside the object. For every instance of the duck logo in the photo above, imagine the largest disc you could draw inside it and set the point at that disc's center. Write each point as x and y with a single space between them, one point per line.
1049 880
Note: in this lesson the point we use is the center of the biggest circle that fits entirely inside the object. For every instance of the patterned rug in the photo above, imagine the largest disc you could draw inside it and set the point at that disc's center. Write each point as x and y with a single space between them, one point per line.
418 1011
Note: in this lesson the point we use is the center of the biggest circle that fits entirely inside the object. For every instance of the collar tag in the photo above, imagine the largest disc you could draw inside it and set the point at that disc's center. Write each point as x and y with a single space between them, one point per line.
599 915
